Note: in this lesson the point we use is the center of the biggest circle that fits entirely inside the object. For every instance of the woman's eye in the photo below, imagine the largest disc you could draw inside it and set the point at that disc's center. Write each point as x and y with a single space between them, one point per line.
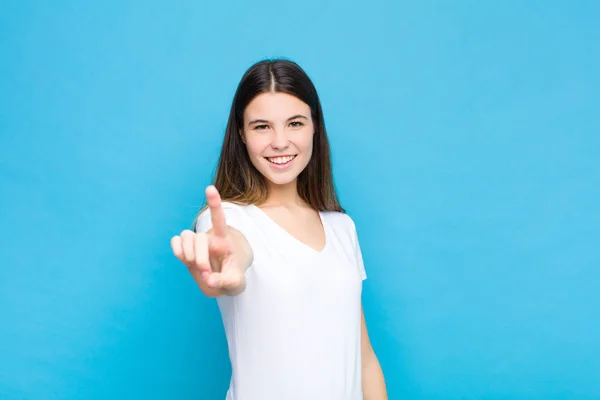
296 124
261 127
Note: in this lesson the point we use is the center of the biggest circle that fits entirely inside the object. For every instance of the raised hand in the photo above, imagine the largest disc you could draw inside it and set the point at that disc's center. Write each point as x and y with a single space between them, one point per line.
218 259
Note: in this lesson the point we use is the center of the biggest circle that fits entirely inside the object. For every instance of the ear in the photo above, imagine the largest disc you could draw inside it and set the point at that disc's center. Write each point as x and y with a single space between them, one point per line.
241 132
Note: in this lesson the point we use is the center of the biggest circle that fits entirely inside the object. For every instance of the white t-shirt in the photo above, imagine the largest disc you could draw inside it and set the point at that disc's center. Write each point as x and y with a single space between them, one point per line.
295 332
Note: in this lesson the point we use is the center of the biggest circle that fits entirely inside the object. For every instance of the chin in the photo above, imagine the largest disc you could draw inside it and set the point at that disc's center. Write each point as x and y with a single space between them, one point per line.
281 179
281 182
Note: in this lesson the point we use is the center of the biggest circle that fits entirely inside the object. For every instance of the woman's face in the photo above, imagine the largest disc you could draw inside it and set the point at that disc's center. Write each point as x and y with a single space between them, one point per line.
278 132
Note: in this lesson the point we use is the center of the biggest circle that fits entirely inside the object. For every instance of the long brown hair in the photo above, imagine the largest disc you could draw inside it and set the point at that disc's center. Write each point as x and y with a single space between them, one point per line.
236 178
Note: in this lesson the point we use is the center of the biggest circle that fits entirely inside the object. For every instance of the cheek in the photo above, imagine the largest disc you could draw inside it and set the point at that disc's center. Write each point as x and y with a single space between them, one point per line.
306 143
254 147
252 151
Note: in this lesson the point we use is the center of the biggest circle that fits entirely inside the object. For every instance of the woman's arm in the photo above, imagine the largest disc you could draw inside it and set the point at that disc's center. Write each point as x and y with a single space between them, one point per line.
243 256
373 383
218 255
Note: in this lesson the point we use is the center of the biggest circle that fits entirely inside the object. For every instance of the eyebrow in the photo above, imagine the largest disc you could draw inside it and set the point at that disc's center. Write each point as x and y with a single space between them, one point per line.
264 121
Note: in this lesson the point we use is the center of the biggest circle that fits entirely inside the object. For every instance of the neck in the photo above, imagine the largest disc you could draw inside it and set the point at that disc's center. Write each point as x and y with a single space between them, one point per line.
284 195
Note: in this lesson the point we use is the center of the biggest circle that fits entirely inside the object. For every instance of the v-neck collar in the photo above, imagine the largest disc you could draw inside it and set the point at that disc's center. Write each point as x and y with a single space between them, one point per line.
278 227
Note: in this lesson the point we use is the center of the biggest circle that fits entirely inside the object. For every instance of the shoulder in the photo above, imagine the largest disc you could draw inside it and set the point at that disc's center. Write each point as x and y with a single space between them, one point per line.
228 207
344 230
234 207
236 215
339 220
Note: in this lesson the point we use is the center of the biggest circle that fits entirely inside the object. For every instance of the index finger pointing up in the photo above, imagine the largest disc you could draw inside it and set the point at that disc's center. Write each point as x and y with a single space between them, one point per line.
216 211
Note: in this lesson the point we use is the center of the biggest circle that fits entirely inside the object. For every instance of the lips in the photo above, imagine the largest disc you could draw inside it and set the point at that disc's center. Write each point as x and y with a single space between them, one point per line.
280 160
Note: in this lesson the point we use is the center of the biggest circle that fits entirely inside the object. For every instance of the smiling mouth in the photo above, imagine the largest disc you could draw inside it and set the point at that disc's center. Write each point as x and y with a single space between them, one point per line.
280 160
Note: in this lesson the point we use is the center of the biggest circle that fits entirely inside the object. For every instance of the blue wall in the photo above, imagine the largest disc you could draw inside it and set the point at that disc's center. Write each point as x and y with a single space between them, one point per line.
466 142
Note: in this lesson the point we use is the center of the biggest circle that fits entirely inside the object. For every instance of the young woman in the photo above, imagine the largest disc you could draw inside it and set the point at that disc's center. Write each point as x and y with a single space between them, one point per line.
279 253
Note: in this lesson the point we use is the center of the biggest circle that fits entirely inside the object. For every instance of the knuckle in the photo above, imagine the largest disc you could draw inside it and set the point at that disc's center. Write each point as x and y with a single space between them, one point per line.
190 259
195 265
186 235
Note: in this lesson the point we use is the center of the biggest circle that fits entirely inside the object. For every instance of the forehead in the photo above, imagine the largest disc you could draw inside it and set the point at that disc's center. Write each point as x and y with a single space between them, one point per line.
275 106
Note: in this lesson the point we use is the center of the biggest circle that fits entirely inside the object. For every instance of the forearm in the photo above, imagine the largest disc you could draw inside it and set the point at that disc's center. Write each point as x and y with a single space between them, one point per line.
244 258
373 382
242 247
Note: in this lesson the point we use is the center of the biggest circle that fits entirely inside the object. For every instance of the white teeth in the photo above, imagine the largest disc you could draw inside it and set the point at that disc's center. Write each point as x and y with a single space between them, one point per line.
280 160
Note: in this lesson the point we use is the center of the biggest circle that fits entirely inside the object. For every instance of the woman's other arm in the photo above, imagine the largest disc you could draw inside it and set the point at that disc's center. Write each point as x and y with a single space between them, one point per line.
373 382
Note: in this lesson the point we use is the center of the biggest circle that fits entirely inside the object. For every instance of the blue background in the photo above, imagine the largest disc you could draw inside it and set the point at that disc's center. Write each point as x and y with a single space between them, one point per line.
466 142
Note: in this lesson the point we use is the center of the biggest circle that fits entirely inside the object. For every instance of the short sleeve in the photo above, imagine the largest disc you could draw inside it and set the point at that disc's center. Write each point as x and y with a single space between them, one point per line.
357 252
235 217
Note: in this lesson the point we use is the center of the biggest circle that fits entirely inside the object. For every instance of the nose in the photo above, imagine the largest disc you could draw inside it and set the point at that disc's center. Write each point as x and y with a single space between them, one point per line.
280 139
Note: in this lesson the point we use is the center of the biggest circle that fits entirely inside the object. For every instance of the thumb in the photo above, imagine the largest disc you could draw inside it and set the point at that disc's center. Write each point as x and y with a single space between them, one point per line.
229 280
215 280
